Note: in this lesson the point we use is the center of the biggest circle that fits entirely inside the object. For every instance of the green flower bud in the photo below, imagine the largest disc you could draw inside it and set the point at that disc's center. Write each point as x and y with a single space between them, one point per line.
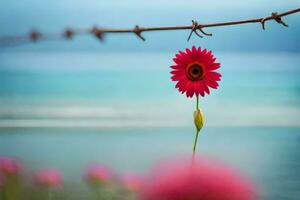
198 119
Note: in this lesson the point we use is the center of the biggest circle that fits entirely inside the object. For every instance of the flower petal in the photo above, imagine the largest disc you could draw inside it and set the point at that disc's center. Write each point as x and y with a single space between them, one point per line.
177 72
212 84
190 89
199 50
176 67
178 77
213 76
177 61
194 50
206 89
199 89
214 66
188 51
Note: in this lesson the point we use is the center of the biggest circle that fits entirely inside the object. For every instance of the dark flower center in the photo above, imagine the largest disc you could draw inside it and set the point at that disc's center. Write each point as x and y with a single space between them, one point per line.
195 72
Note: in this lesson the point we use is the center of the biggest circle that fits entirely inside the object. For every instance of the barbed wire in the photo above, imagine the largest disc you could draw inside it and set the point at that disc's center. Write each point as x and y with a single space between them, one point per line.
195 27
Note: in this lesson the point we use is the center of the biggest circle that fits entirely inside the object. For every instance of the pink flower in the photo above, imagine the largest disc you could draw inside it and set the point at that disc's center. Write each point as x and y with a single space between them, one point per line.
132 182
98 174
198 180
195 71
9 166
48 178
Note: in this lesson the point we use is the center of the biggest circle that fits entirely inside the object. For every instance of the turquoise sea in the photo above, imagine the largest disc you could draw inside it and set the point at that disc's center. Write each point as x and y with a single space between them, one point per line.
66 110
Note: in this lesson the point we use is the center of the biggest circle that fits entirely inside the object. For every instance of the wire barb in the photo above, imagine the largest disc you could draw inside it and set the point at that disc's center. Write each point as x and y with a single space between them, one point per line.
197 26
263 20
35 36
274 16
137 30
98 33
194 30
203 32
278 19
69 33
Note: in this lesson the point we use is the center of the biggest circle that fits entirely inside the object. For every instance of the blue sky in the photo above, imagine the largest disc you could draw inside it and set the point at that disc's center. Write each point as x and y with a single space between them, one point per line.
17 17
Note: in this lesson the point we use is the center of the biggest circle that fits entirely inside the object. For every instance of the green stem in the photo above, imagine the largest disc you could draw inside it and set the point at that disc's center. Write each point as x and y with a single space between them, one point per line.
197 131
195 142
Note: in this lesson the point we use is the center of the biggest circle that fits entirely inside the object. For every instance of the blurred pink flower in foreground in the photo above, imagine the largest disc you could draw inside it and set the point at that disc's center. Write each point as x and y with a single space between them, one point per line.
48 178
9 166
197 180
132 182
98 174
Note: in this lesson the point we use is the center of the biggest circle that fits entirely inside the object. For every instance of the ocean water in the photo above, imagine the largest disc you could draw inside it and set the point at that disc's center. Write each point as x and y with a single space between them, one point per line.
66 110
